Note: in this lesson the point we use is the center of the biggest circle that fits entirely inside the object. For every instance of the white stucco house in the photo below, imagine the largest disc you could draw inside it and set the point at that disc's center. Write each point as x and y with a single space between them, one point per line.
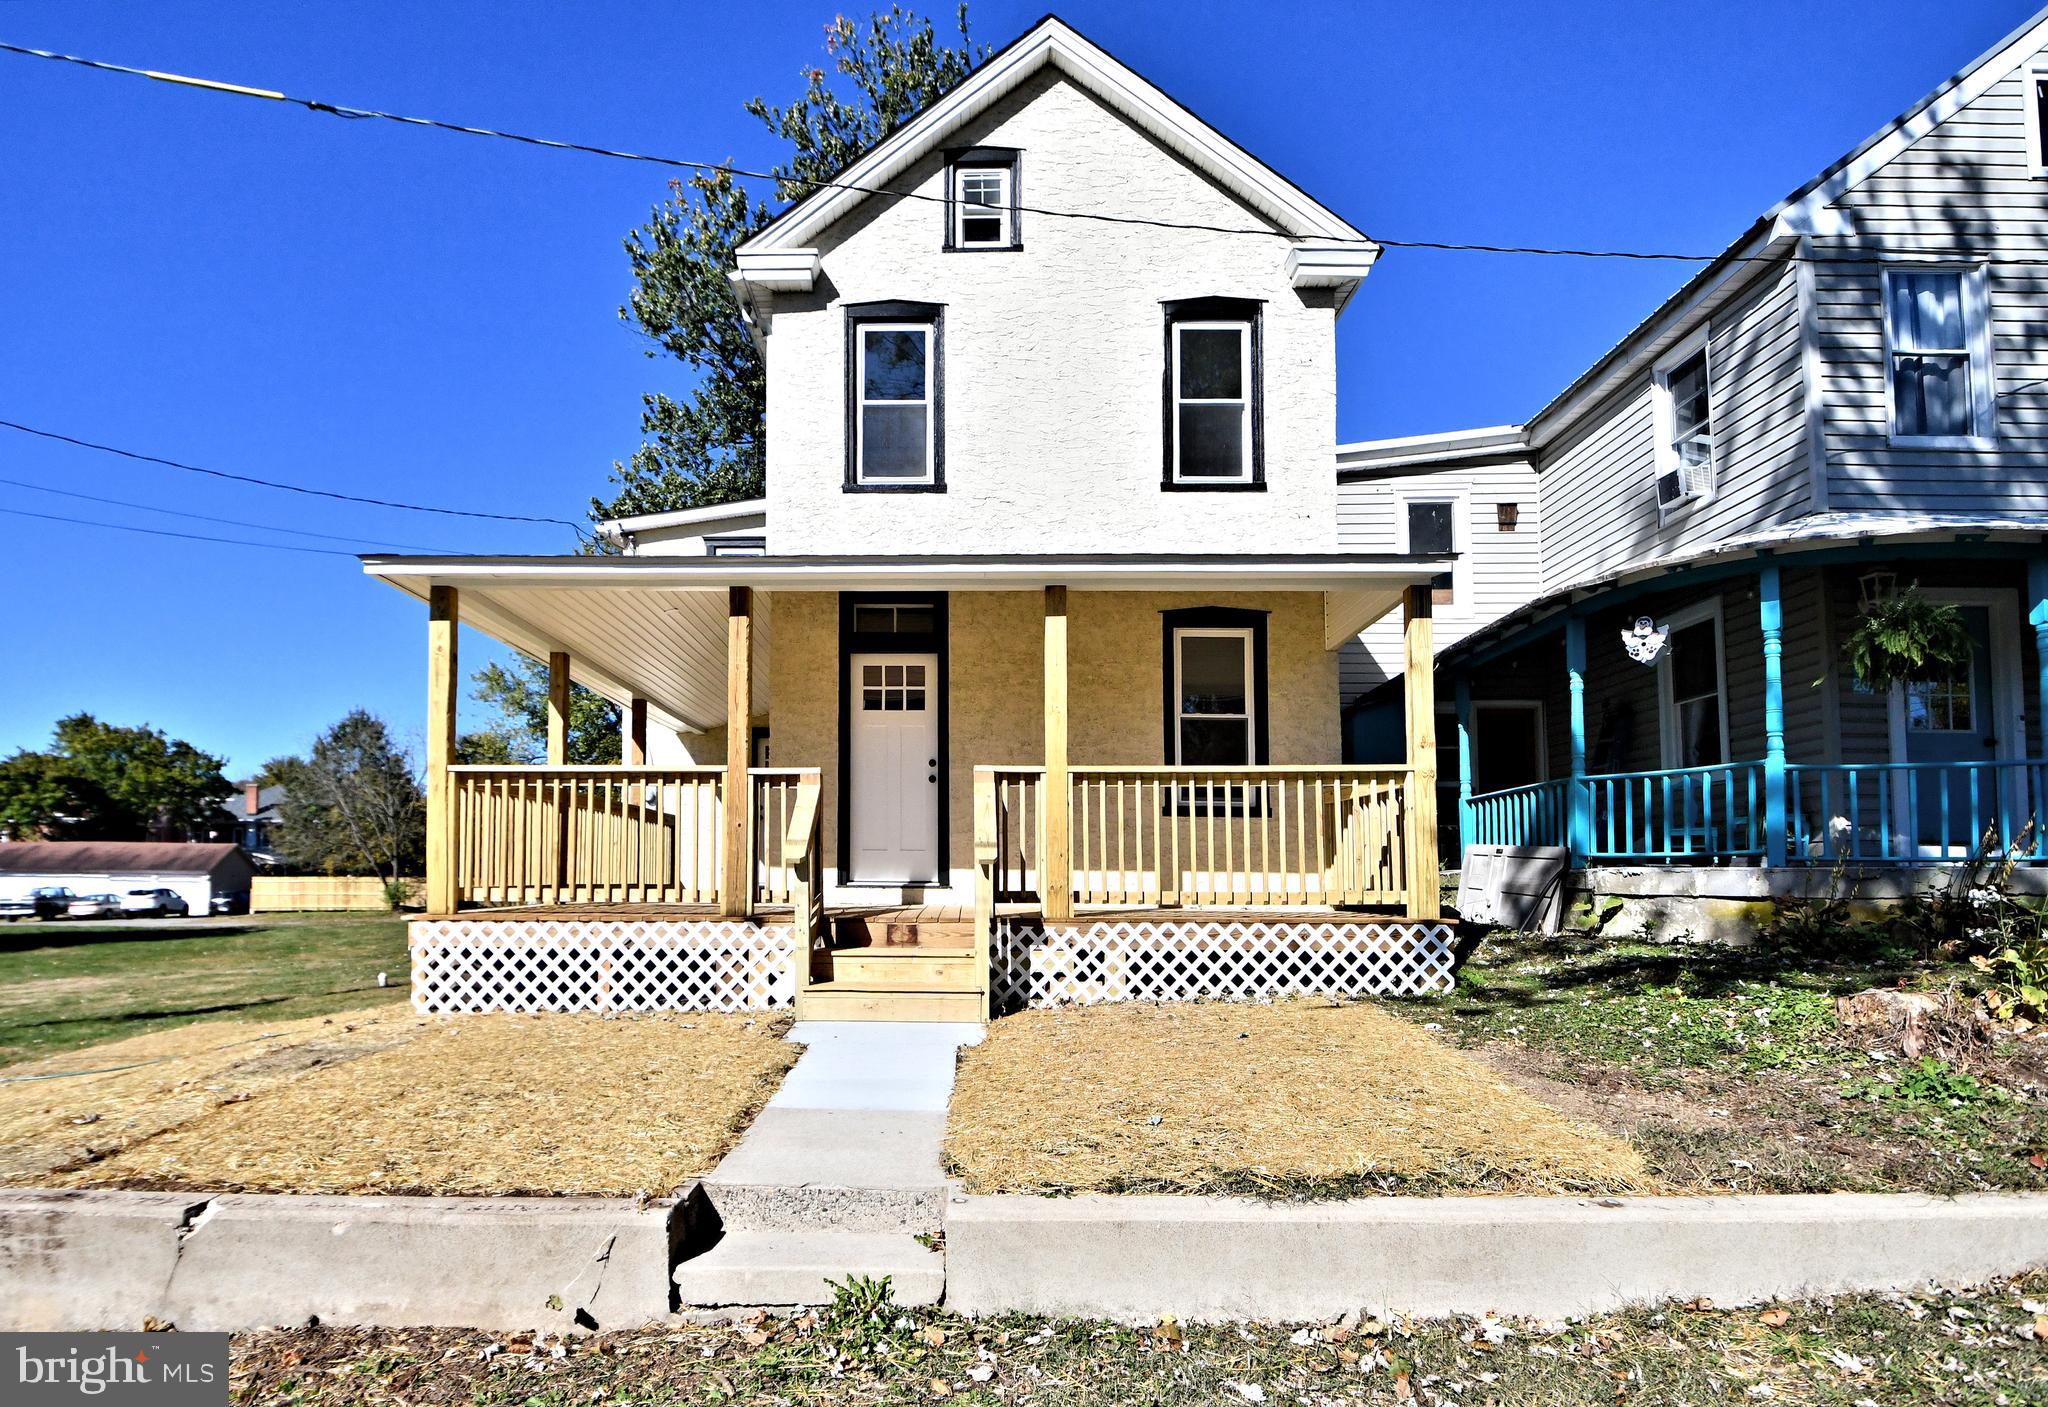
1022 684
198 873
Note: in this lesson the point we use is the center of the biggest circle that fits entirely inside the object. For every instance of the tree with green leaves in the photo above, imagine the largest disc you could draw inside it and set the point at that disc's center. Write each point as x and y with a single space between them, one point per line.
103 781
520 733
707 447
353 804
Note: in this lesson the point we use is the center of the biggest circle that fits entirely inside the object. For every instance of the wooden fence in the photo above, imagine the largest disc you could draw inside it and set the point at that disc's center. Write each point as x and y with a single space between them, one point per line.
275 894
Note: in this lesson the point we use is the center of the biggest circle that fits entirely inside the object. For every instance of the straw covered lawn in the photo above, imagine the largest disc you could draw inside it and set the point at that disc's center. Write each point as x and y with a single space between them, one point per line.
1303 1098
381 1100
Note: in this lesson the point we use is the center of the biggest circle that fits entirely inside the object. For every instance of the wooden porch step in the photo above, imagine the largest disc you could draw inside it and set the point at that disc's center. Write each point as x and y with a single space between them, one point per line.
913 969
917 928
833 1001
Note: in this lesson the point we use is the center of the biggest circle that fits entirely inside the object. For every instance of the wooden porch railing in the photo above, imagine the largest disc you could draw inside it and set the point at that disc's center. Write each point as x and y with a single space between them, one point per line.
1190 837
799 854
607 835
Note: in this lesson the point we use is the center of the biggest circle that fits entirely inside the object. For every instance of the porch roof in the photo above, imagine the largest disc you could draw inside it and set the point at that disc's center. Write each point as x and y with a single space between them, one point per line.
654 627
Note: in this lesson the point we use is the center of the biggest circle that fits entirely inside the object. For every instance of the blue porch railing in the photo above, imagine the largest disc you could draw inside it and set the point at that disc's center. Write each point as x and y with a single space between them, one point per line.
1868 813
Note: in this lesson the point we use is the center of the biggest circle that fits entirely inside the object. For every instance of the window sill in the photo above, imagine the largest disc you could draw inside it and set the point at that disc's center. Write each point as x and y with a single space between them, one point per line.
1943 442
892 488
1219 486
982 249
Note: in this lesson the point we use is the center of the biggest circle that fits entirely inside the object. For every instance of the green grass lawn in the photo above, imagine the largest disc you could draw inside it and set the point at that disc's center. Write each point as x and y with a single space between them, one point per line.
1725 1067
65 985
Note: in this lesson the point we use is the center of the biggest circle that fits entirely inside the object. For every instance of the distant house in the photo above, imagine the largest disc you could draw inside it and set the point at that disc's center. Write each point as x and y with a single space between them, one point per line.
197 873
256 812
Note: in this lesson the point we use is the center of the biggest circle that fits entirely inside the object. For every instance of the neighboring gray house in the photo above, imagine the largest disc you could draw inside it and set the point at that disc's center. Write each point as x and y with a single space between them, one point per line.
1851 399
255 813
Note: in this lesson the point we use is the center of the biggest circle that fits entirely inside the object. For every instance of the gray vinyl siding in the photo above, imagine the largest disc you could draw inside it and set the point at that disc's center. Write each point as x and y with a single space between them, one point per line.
1963 188
1503 571
1598 478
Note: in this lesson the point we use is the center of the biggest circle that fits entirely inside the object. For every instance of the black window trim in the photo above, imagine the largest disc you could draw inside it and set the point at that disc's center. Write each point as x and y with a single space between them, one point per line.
1213 618
961 159
1179 310
857 315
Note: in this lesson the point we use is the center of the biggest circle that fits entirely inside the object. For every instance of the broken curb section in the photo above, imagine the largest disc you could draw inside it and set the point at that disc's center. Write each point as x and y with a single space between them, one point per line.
90 1259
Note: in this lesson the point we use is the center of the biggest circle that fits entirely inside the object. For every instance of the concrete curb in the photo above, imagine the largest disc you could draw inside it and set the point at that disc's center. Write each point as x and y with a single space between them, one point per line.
91 1260
1204 1258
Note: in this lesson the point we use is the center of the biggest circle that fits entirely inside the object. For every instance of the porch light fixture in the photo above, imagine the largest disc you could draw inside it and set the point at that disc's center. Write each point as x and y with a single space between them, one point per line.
1644 640
1875 587
1506 515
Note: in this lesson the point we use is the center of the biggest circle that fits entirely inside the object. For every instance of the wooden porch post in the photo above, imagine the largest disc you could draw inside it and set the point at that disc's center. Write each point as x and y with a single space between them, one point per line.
736 883
636 733
442 616
1419 694
1055 883
1771 619
558 708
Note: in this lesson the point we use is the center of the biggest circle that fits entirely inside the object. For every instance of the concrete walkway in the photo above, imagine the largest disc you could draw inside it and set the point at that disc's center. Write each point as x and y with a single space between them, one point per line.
840 1174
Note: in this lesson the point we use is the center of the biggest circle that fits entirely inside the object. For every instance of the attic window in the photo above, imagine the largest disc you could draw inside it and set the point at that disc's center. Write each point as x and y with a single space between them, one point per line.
2037 122
981 200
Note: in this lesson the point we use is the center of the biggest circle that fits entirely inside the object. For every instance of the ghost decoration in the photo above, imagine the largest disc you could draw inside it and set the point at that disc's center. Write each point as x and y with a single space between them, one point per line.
1644 640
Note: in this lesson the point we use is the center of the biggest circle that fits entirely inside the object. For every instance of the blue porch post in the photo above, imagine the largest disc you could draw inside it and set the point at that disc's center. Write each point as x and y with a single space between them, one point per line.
1771 615
1579 825
1463 694
2037 616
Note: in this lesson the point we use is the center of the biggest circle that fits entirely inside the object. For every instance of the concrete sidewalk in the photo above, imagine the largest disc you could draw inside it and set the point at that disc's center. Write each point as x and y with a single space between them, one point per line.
840 1174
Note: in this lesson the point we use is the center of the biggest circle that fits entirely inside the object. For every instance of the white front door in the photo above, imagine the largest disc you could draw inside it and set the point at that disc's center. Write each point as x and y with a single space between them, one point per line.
894 776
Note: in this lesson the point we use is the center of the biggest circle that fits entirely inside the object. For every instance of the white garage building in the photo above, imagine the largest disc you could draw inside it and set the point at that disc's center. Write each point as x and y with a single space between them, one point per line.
198 873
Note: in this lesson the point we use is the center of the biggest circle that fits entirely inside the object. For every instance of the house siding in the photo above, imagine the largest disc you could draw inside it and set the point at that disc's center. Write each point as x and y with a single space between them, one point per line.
1503 570
1598 477
1966 186
1053 359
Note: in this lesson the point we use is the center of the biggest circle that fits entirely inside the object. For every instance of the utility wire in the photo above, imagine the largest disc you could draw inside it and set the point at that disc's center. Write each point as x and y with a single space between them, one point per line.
686 164
225 522
168 532
289 488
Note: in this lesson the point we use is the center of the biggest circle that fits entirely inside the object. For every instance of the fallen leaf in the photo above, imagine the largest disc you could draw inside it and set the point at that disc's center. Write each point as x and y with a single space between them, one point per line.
1775 1318
753 1338
1401 1388
934 1335
940 1388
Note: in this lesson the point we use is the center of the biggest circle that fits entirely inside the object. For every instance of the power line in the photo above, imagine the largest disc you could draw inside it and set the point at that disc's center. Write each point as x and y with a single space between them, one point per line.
225 522
168 532
288 488
686 164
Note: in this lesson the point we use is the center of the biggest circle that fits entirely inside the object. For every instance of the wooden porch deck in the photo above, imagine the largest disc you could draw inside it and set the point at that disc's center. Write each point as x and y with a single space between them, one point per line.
936 914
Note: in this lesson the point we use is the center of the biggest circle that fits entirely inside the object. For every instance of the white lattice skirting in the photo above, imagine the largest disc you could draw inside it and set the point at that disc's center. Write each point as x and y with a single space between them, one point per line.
1107 960
476 965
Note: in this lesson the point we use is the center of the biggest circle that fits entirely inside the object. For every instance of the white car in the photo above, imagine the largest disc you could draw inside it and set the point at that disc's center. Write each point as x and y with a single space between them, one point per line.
94 906
153 903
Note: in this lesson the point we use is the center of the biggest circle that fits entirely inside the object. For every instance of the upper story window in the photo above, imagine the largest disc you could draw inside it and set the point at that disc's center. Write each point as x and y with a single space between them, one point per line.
981 200
2037 110
1214 401
1430 528
1685 427
1938 357
895 403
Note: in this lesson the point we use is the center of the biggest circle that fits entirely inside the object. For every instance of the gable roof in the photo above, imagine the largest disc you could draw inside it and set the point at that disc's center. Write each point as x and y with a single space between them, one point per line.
1771 236
1055 43
32 857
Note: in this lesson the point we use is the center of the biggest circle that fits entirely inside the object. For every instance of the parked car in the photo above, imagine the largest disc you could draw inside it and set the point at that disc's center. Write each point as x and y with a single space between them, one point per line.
94 906
228 904
154 903
51 901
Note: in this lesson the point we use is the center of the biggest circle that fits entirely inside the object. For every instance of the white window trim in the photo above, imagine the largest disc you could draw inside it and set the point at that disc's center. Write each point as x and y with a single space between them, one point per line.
2037 154
1481 707
1243 401
1667 702
1665 422
1461 541
861 403
1000 210
1977 343
1251 701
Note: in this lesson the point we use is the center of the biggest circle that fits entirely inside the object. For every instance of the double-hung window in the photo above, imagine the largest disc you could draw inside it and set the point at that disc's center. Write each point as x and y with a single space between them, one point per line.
1685 428
895 398
1213 402
1215 678
1938 357
981 199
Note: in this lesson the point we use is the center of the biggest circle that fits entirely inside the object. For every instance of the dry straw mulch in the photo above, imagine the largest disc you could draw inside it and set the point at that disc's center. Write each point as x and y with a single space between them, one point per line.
385 1101
1299 1098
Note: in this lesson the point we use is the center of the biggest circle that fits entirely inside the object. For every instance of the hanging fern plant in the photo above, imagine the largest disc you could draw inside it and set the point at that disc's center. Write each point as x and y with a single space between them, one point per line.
1905 636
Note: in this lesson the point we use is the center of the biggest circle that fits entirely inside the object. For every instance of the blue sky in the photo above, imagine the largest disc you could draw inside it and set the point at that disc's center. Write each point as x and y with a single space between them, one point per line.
421 316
